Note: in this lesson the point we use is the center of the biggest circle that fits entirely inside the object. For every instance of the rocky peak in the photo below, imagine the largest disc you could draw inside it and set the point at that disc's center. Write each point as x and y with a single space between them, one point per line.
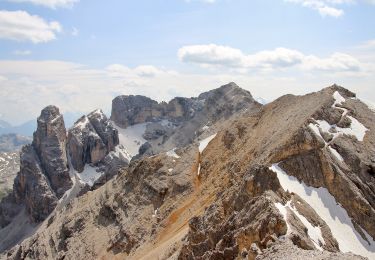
90 139
43 176
50 145
343 91
104 128
130 110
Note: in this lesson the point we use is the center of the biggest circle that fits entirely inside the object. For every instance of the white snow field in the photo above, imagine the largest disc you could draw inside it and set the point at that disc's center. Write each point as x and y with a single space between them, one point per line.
131 137
331 212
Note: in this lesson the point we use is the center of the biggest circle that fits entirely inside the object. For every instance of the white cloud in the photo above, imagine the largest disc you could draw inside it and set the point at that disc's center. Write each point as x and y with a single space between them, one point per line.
22 26
324 7
211 54
27 86
280 58
22 52
331 8
49 3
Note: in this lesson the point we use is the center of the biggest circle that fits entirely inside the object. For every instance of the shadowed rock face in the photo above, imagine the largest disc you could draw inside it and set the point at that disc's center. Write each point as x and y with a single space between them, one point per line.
44 176
49 143
90 139
31 186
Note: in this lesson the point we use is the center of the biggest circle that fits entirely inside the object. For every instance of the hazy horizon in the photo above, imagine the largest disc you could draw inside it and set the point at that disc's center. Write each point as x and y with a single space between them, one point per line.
79 55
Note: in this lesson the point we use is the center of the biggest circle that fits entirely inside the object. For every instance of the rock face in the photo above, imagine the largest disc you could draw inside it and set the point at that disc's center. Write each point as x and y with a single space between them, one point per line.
90 139
31 186
50 145
130 110
43 176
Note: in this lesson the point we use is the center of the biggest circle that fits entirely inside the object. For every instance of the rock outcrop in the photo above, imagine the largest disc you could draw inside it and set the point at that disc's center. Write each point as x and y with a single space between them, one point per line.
32 188
90 139
43 176
130 110
49 143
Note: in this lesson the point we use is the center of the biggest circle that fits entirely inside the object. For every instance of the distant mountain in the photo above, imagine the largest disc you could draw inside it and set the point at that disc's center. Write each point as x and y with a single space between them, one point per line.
4 125
28 128
13 142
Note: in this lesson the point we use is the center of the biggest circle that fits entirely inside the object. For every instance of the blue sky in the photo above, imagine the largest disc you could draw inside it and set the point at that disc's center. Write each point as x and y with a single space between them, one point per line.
80 54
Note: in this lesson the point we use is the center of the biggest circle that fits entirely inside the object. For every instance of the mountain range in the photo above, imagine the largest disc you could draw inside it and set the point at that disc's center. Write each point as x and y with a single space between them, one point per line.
218 176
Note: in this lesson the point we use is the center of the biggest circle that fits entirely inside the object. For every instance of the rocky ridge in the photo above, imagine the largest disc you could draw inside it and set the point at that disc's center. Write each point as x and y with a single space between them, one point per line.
177 123
275 181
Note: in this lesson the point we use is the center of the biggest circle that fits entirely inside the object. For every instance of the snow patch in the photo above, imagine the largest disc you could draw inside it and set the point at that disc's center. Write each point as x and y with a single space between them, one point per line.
261 100
131 137
199 169
89 175
156 211
356 129
338 99
172 153
331 212
120 152
205 128
315 233
283 211
54 120
336 154
167 123
100 113
81 124
203 144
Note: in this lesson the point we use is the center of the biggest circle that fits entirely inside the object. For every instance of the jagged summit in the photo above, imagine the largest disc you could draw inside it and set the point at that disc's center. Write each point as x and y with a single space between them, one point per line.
49 113
178 122
130 110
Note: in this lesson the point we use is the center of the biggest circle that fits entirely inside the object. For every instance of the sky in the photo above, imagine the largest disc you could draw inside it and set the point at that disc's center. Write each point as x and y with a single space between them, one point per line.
80 54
